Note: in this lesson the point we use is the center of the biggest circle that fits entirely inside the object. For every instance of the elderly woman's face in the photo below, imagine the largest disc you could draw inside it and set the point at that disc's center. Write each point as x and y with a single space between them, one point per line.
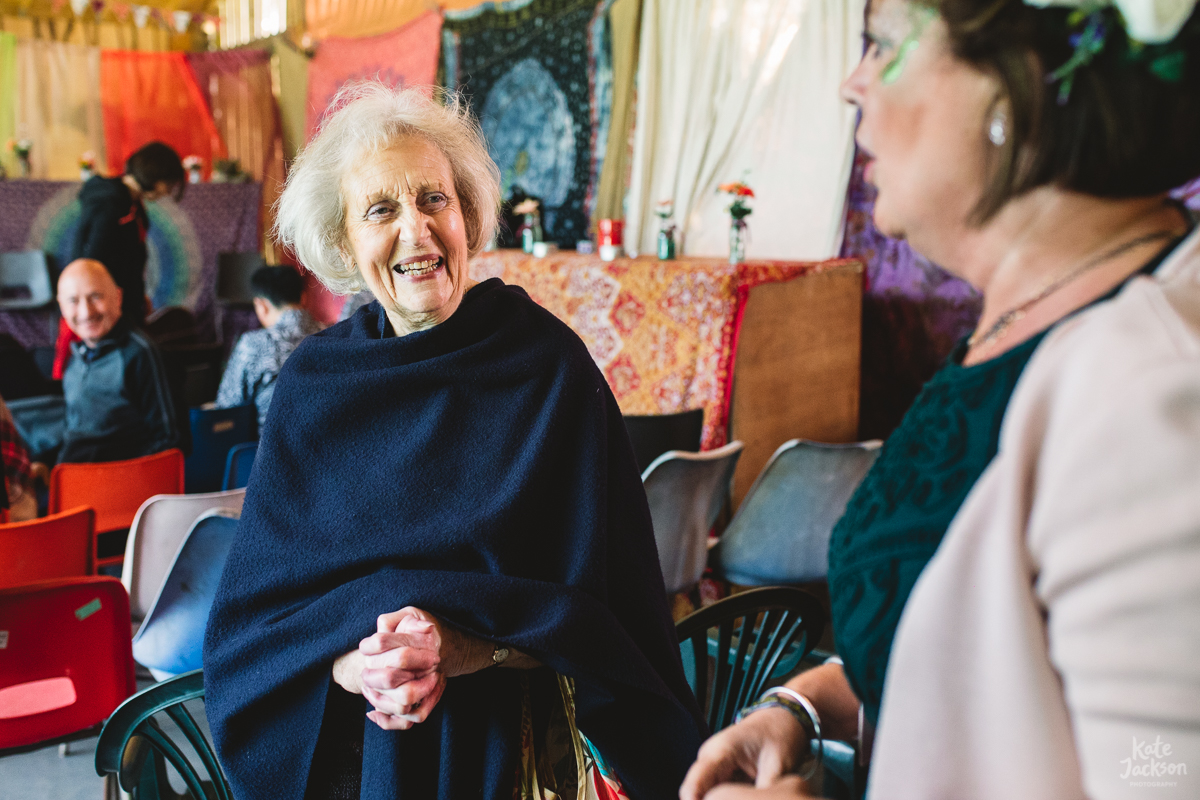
923 121
405 232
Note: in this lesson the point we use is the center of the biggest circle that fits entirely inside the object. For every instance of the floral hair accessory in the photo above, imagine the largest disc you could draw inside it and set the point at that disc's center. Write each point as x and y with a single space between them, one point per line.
1146 21
1149 27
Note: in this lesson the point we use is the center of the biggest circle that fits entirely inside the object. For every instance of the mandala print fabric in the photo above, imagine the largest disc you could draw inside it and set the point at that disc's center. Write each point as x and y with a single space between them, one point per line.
539 76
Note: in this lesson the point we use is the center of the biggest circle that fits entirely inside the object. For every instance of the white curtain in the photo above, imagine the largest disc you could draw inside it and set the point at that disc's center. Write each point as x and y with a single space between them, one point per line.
58 106
745 89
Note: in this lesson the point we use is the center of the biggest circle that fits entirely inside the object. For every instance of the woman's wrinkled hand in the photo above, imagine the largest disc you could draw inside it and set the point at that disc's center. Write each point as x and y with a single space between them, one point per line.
406 664
763 747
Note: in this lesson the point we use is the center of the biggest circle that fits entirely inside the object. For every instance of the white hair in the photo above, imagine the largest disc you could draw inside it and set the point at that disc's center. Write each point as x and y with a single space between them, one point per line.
370 117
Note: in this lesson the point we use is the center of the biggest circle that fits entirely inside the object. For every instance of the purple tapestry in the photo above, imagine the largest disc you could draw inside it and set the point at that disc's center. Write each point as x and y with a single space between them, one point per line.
913 312
184 242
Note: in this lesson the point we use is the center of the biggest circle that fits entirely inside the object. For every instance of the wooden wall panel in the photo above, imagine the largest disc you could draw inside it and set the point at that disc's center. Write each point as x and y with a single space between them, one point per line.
797 368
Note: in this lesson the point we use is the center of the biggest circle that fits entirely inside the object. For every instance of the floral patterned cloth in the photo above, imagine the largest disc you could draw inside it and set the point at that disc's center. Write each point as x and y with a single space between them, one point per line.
563 765
664 333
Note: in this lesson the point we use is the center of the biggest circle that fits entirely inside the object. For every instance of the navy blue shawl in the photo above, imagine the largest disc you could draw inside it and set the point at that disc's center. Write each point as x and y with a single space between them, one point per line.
479 470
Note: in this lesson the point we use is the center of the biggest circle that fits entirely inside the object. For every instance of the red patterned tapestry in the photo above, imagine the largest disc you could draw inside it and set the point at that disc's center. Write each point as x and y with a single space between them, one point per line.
407 56
663 332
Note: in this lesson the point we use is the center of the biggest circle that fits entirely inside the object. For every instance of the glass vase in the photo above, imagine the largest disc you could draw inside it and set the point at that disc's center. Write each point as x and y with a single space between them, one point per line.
666 244
737 241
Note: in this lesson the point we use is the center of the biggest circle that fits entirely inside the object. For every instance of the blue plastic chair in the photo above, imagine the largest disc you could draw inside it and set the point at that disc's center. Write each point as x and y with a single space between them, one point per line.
171 638
780 534
214 432
237 466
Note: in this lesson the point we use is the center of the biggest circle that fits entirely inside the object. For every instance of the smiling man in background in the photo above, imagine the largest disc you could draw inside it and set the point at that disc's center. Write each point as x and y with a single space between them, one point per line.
118 402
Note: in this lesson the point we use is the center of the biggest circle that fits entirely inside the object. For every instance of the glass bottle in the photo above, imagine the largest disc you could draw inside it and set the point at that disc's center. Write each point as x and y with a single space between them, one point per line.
737 242
531 231
666 243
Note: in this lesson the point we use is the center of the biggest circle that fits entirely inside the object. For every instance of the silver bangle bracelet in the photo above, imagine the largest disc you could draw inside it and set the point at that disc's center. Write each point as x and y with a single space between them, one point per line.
813 717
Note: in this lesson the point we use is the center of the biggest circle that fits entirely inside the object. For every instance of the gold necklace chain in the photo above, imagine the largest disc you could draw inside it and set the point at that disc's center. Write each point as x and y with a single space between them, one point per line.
1006 320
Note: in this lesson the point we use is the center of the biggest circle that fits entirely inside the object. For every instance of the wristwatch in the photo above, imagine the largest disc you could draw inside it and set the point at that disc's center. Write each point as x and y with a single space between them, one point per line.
499 655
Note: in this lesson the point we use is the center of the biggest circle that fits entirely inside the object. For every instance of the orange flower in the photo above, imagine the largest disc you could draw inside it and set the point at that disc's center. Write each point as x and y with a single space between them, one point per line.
738 189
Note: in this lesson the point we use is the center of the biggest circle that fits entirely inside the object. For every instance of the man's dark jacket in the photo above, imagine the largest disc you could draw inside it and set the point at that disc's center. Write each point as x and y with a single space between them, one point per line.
118 403
112 230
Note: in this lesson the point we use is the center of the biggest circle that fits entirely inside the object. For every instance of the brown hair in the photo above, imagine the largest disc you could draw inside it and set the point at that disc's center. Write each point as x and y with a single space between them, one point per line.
1123 131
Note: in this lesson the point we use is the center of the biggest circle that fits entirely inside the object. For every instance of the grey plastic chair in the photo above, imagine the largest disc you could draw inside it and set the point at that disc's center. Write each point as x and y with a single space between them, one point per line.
24 280
780 535
171 638
160 528
686 492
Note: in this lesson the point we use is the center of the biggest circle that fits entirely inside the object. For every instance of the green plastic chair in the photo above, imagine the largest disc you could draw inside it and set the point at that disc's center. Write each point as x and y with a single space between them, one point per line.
136 744
755 630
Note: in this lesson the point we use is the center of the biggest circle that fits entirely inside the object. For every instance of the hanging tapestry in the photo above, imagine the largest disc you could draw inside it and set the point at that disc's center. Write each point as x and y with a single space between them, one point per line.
236 84
538 74
58 106
405 57
149 97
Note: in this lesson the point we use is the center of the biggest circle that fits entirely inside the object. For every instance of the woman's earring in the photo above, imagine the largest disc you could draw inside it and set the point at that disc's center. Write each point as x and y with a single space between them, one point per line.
998 129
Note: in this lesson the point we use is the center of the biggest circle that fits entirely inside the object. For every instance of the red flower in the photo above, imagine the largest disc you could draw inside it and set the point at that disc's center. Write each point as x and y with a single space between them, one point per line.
737 189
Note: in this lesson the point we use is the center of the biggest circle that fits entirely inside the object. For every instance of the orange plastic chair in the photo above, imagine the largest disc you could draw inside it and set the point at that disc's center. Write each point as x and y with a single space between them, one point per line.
65 659
58 546
115 489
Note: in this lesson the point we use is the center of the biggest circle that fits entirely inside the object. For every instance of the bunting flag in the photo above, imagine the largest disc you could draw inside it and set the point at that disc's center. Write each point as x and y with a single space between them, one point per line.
407 56
150 97
539 76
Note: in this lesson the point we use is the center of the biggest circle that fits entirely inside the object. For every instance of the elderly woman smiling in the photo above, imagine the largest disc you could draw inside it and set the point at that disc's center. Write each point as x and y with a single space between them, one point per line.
445 526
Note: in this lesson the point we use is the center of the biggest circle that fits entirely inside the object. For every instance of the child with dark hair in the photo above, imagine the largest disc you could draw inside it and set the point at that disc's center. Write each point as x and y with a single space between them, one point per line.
259 355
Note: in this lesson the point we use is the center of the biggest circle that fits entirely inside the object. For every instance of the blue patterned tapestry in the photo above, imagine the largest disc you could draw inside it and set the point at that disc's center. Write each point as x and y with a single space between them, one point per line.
538 73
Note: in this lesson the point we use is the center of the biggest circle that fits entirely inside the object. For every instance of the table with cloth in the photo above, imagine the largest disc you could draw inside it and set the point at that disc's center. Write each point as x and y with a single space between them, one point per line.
666 335
184 241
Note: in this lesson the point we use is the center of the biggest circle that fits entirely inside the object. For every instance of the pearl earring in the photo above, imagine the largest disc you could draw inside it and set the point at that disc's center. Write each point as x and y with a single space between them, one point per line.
998 129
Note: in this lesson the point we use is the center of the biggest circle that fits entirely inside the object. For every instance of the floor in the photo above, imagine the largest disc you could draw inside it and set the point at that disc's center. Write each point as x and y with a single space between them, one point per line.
44 775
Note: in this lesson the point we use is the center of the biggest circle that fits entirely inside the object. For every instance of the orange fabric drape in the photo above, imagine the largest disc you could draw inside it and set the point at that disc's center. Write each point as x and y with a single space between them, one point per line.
149 97
324 18
237 87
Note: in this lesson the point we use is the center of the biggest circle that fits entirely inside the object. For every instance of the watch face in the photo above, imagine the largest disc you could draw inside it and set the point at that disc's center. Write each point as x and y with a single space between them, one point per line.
499 655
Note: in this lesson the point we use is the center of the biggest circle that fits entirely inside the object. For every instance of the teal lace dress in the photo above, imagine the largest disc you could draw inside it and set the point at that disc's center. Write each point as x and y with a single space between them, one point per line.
896 519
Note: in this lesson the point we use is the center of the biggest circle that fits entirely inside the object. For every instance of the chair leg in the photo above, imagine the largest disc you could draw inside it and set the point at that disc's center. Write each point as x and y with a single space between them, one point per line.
64 750
112 789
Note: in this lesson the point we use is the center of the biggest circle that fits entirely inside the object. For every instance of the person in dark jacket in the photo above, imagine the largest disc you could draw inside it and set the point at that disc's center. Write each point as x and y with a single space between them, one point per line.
113 221
118 402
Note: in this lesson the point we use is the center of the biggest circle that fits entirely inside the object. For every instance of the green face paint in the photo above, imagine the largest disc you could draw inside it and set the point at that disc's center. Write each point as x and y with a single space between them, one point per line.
920 17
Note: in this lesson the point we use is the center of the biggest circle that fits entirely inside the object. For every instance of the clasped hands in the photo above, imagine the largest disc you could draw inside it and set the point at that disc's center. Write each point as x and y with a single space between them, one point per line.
402 668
